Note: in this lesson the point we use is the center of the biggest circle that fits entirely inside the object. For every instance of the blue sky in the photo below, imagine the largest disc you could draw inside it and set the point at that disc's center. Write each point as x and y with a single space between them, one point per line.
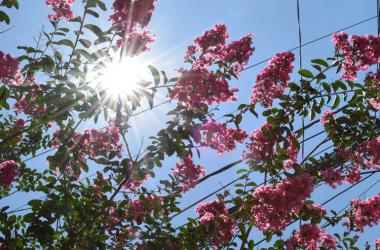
177 23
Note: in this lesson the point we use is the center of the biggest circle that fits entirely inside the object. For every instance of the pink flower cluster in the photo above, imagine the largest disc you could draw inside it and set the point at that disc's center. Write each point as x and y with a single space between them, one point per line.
366 156
371 149
212 48
188 173
217 36
216 136
261 146
197 87
128 16
136 42
62 9
366 213
373 81
316 212
375 103
133 184
332 177
9 70
16 132
291 150
327 115
28 104
8 172
377 244
200 85
214 215
90 143
274 206
363 52
272 80
139 209
311 237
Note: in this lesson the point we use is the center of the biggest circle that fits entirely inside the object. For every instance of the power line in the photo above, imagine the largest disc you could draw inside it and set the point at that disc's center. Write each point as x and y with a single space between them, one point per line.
315 40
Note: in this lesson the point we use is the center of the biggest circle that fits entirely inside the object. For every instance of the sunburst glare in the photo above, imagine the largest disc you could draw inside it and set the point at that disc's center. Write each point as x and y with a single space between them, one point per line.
122 78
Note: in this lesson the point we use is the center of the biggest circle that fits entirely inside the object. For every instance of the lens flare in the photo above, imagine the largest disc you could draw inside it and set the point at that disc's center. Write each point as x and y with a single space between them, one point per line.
122 78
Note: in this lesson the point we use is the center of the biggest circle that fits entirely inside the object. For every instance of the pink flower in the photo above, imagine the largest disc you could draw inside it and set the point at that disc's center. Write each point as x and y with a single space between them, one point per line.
133 184
213 48
62 9
366 213
20 123
261 146
375 104
272 80
373 82
141 208
28 104
309 237
316 212
327 115
292 152
238 53
365 156
199 87
371 149
332 177
9 70
363 52
136 43
214 216
8 172
128 16
91 143
216 136
188 173
216 36
377 243
274 207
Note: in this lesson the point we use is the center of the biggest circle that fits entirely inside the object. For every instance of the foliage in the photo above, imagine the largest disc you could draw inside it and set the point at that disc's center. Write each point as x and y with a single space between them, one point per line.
48 92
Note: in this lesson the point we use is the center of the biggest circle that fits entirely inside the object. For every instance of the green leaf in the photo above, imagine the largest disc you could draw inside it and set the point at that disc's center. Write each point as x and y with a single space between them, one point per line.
306 73
86 43
341 85
320 62
336 102
294 87
102 39
327 87
66 42
93 13
155 73
238 119
77 19
29 217
85 54
102 6
75 72
95 29
4 93
4 17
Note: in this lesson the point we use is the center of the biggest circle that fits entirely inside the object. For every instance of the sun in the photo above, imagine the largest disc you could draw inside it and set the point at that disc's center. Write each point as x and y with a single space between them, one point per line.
122 78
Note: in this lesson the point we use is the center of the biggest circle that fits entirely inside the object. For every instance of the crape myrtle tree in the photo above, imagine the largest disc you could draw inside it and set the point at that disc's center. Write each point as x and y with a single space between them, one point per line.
48 91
